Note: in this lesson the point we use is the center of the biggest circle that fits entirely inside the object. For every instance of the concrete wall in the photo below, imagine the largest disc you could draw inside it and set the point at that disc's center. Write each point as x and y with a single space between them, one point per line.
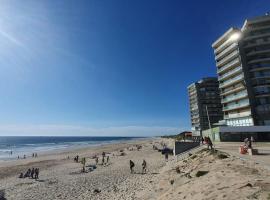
180 147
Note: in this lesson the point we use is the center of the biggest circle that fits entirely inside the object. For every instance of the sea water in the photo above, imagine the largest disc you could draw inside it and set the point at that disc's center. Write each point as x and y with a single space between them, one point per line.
13 146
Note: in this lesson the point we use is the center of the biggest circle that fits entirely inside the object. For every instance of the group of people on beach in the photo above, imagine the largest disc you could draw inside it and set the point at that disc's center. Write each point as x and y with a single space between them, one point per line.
132 165
34 174
34 155
104 157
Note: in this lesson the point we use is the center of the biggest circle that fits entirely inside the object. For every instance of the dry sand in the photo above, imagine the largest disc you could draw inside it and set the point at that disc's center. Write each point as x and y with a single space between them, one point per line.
60 178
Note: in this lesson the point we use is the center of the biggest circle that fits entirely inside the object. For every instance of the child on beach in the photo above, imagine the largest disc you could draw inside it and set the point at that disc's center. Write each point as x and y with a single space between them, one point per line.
131 165
144 167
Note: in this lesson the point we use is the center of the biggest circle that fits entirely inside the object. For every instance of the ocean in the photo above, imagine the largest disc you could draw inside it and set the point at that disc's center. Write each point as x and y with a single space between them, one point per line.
13 146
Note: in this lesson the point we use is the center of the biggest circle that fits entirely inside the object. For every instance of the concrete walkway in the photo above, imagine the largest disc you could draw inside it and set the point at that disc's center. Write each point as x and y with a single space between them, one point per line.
233 148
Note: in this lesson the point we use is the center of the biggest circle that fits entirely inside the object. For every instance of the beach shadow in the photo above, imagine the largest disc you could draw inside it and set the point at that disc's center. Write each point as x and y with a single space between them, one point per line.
40 180
2 195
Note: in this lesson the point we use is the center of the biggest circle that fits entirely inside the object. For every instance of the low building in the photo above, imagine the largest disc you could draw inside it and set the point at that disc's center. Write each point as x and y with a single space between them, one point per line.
238 133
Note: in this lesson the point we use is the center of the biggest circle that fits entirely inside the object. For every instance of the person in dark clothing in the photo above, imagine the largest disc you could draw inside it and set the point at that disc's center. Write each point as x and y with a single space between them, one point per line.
131 165
166 156
28 173
108 158
144 167
32 172
21 175
209 143
37 173
96 160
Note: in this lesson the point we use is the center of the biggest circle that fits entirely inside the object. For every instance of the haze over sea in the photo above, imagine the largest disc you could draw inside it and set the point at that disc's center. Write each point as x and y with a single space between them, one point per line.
26 145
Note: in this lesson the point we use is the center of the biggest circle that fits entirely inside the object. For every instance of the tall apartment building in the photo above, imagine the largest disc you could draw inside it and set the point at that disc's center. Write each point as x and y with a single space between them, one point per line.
204 97
243 68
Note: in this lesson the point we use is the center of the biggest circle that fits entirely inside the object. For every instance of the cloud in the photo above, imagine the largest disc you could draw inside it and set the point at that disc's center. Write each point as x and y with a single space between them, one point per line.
71 130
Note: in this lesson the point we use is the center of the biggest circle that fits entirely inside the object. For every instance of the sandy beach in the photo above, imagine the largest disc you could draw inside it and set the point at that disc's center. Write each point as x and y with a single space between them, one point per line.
60 178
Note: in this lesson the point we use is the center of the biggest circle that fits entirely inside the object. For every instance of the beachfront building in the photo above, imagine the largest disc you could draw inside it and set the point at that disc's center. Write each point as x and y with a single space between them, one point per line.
205 106
243 67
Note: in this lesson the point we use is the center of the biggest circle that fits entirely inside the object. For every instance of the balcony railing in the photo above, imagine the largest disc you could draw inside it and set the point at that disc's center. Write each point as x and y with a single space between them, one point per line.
229 73
228 57
238 115
223 46
236 106
232 90
228 49
229 65
231 81
229 98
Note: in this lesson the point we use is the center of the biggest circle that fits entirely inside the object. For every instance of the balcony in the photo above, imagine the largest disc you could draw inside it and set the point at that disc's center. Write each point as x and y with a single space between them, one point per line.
226 51
230 98
256 36
229 65
231 90
223 46
238 115
231 81
259 60
230 73
232 55
244 104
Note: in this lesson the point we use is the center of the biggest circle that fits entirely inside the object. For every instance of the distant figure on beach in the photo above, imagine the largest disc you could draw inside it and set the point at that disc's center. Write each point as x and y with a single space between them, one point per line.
208 142
131 165
202 140
103 154
21 175
166 156
246 141
76 159
108 158
24 156
28 173
18 157
32 172
33 155
96 160
143 166
103 160
37 173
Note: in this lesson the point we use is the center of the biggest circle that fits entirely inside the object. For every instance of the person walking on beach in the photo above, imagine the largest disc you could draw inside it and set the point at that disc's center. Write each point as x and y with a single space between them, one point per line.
209 143
32 172
131 165
96 160
108 158
103 160
166 156
144 167
37 173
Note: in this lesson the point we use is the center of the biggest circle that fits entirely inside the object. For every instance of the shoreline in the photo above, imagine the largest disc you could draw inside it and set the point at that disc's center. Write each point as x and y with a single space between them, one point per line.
72 146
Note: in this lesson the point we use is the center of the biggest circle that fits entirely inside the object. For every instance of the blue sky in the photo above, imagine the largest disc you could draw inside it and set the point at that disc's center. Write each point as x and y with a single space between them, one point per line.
114 67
